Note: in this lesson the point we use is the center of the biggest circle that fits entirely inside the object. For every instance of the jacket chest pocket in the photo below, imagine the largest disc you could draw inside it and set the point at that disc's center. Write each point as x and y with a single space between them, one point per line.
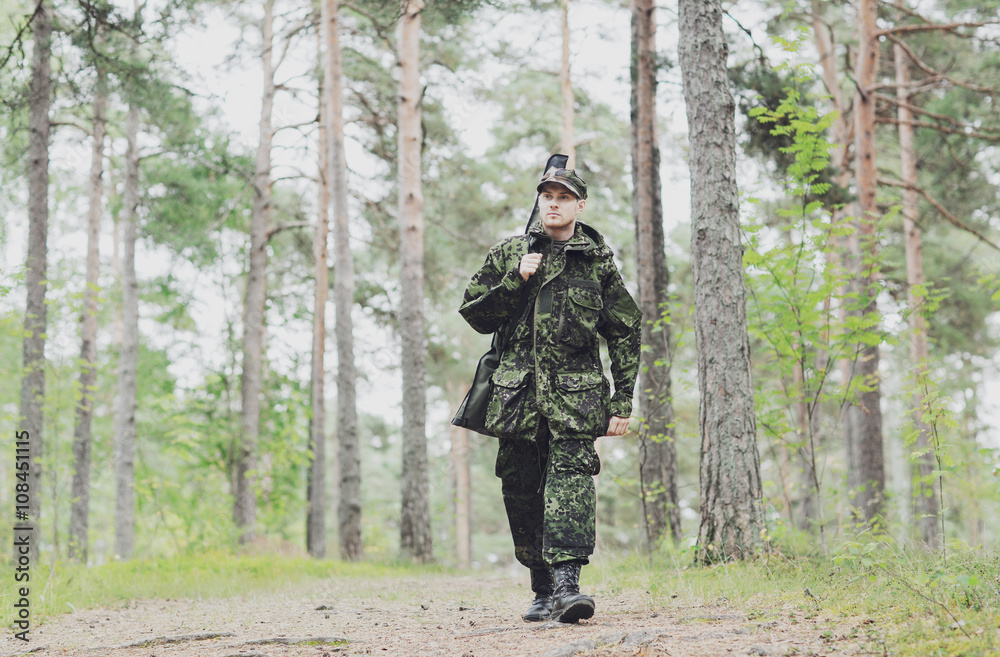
580 312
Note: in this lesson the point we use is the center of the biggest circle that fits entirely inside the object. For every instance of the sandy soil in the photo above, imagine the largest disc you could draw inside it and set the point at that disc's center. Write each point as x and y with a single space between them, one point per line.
447 616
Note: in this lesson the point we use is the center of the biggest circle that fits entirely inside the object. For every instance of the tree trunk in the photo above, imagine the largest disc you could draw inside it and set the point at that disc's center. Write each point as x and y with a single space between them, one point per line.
831 80
245 506
925 499
463 494
128 358
657 452
349 455
863 417
116 269
731 513
35 315
316 478
82 440
567 139
414 526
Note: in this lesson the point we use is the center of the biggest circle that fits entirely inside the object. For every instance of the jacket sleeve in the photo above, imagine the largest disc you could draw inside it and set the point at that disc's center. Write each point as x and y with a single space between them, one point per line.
621 325
493 293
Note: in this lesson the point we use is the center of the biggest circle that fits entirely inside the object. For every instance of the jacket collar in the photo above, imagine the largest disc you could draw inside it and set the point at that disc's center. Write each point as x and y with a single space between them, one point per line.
585 239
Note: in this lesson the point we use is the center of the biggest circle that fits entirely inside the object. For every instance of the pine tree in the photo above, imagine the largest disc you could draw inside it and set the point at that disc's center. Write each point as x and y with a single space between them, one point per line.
82 440
245 457
316 478
415 535
657 453
128 358
731 513
863 418
31 427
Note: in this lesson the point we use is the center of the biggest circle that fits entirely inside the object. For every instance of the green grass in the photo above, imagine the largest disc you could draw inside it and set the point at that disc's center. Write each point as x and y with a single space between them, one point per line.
911 605
68 587
907 604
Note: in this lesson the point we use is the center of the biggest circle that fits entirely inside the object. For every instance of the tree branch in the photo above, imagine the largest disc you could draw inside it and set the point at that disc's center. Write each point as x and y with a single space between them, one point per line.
761 57
151 154
288 36
945 27
391 246
380 29
280 227
70 123
935 73
985 136
294 126
378 125
17 42
920 110
940 208
225 170
300 175
906 10
286 85
914 86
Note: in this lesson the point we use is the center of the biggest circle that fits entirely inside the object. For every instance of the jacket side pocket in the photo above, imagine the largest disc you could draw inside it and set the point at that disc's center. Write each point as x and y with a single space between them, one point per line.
511 393
582 399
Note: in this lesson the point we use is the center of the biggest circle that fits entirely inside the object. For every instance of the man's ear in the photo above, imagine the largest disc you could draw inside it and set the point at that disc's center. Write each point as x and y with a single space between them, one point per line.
582 202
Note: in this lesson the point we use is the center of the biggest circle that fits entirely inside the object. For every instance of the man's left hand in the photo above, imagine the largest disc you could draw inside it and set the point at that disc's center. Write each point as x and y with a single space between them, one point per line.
617 426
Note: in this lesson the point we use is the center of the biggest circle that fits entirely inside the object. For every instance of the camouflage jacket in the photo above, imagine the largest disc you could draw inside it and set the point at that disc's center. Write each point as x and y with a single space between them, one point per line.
551 364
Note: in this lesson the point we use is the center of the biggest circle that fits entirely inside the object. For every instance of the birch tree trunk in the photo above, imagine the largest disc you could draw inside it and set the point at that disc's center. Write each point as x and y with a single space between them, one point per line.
566 137
414 525
349 454
245 461
863 418
316 484
82 440
30 428
925 498
657 453
128 359
731 513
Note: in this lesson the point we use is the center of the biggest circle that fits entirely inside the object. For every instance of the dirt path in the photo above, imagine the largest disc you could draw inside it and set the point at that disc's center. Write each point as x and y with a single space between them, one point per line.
447 616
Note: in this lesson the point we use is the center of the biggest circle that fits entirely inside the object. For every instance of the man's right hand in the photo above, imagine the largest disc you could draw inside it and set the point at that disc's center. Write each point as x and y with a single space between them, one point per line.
529 264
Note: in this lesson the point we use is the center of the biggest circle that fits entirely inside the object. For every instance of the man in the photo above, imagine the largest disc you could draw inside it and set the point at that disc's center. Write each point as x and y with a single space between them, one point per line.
549 399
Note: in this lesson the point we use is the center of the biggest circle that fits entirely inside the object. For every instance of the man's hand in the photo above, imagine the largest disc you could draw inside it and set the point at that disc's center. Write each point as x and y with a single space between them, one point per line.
617 426
529 264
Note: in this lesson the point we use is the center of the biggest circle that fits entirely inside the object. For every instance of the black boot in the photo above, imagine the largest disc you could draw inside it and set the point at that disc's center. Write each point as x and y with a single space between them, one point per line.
570 605
541 606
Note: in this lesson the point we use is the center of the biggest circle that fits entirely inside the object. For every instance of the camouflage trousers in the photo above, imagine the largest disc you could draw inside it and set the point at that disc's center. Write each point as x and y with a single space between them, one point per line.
549 494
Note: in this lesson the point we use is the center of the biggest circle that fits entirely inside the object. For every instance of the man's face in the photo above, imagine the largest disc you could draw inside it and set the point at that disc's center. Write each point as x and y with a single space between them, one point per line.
558 207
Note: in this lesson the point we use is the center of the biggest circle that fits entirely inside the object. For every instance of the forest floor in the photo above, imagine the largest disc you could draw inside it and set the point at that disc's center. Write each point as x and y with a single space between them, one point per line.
448 615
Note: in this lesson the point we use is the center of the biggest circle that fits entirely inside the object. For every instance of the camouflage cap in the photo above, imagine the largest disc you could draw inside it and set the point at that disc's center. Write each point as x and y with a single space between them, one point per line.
567 178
